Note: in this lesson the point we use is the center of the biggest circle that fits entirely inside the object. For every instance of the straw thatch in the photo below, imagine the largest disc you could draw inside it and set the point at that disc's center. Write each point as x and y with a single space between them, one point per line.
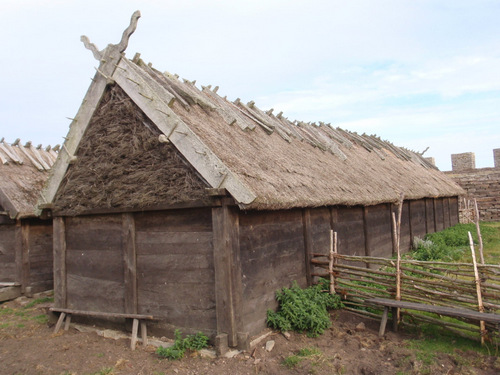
289 164
270 162
23 172
121 163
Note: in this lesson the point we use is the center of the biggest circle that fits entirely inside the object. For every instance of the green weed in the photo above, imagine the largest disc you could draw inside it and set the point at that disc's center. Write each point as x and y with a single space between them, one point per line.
191 342
304 310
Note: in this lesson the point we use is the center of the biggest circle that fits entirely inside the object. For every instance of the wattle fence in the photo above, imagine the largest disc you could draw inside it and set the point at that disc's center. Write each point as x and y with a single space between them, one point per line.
357 278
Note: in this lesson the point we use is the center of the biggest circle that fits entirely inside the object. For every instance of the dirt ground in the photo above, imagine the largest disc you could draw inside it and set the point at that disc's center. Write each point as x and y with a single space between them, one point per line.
28 346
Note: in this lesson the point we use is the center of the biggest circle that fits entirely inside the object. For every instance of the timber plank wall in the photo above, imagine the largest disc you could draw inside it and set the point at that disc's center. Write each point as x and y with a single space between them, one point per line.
155 263
217 269
26 254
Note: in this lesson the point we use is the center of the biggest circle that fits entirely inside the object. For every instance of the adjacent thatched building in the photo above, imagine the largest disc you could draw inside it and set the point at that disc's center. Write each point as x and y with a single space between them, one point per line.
176 202
25 240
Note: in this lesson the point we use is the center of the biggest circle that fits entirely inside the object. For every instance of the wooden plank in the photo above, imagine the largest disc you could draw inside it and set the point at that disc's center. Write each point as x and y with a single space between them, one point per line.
186 220
156 207
185 140
18 252
59 262
130 263
227 266
86 293
308 243
97 314
25 256
96 264
441 310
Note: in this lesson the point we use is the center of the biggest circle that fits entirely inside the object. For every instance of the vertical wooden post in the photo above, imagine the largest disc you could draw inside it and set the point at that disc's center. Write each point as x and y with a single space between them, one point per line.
368 250
478 230
130 263
308 242
227 265
410 227
333 252
60 291
480 305
425 216
435 213
18 252
25 274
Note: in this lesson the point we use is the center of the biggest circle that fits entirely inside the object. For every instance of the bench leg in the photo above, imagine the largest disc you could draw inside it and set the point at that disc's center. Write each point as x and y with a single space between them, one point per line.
383 322
59 322
67 322
395 319
135 327
144 333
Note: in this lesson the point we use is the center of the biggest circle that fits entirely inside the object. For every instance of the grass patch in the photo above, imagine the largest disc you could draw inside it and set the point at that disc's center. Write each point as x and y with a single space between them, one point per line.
452 244
41 319
305 353
38 301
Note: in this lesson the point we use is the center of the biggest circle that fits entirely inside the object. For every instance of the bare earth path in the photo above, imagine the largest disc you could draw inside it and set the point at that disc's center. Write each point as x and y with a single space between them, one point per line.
28 346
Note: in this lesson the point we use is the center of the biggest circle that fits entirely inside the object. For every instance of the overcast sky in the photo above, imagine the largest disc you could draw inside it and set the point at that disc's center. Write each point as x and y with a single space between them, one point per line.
415 72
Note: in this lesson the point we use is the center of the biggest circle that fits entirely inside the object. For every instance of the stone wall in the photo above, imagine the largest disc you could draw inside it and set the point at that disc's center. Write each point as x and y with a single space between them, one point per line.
481 183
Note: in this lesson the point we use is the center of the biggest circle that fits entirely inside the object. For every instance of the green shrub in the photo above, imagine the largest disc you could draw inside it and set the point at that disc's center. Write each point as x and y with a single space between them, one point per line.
177 351
303 310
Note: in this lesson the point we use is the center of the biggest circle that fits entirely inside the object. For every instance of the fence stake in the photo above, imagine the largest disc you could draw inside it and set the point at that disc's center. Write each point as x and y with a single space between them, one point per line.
482 325
476 211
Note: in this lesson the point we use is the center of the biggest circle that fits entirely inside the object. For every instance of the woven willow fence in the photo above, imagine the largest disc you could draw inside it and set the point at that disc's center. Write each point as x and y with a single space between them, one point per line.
357 278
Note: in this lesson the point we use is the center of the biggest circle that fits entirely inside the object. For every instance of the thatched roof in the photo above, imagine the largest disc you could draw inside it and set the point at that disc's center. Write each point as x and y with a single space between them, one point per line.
23 171
263 160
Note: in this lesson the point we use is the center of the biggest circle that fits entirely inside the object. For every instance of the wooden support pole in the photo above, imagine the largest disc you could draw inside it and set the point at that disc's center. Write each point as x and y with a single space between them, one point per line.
135 327
227 265
60 295
480 305
478 230
333 259
308 242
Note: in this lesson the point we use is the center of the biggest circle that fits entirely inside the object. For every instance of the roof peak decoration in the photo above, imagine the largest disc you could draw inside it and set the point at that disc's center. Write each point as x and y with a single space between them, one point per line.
120 47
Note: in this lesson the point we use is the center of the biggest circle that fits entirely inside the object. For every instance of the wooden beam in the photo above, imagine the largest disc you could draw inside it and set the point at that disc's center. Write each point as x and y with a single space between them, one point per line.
80 123
130 263
308 242
60 291
227 266
158 207
145 93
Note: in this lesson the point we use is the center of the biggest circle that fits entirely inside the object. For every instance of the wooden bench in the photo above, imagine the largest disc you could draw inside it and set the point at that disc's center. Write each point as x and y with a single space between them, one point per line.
65 318
441 310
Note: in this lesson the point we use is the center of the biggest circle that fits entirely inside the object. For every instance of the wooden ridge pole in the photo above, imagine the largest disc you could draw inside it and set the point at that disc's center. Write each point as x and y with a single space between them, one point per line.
482 325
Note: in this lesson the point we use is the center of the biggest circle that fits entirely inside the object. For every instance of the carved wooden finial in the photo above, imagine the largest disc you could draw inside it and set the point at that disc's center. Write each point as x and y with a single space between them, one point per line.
122 46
